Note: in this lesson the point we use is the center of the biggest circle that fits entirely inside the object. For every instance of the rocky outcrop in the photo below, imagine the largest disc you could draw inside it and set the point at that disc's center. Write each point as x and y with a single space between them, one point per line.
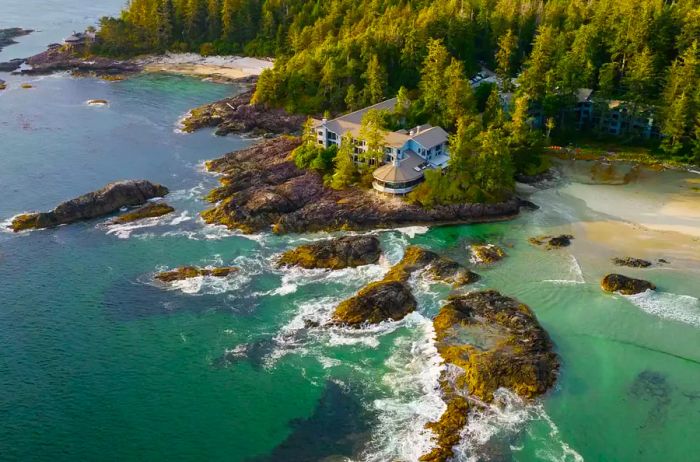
552 242
11 65
262 188
343 252
377 302
487 254
625 285
391 298
150 210
66 59
187 272
237 115
437 267
631 262
7 36
107 200
490 341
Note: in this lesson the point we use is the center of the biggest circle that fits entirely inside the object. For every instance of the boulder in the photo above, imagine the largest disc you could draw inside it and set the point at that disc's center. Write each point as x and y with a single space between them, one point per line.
492 341
11 65
102 202
97 102
631 262
343 252
552 242
391 298
377 302
487 254
186 272
150 210
625 285
437 267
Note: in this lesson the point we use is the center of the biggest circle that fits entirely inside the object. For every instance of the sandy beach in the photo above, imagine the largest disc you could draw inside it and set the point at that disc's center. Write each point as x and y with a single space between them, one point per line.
216 67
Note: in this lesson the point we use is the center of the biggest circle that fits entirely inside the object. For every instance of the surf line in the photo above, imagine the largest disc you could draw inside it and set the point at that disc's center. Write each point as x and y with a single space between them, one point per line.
643 347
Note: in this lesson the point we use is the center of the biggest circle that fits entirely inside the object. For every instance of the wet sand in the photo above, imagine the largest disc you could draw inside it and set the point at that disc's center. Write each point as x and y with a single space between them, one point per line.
216 67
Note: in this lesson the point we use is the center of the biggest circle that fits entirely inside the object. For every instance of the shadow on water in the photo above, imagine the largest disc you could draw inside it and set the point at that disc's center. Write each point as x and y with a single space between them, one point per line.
336 430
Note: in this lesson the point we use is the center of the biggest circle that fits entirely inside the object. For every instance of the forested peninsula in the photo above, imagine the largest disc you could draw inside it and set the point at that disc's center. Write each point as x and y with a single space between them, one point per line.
333 56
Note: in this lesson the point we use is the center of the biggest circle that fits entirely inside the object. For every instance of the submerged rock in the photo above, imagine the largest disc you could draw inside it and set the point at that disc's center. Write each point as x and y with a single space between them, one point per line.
552 242
377 302
492 341
487 254
261 188
631 262
150 210
391 298
625 285
11 65
97 102
343 252
187 272
102 202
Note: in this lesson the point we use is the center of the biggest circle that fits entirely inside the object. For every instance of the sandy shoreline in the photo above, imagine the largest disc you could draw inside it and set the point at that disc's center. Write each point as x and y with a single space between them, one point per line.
217 67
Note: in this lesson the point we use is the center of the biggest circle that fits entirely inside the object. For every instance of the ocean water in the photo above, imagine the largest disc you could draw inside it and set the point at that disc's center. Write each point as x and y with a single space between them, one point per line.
98 362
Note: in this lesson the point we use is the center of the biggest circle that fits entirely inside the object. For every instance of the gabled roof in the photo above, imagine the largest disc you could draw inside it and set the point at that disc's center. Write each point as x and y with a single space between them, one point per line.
431 137
583 95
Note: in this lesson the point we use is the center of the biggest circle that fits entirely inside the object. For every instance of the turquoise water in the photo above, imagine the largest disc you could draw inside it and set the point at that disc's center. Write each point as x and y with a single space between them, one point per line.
100 363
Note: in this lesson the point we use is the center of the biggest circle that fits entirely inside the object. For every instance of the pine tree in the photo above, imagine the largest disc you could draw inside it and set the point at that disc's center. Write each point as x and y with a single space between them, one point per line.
507 46
345 170
493 114
459 97
373 134
376 81
432 83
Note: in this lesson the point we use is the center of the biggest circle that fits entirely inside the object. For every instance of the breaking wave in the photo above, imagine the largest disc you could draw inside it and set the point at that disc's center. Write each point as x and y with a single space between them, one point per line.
413 398
682 308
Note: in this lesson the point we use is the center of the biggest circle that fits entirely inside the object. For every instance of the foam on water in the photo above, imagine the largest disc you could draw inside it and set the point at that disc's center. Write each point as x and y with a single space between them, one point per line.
682 308
503 420
413 397
574 276
124 230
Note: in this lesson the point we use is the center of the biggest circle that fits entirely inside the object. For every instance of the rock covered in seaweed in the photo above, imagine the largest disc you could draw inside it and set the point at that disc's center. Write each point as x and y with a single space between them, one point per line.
487 253
377 302
391 298
102 202
150 210
187 272
552 242
507 348
631 262
339 253
625 285
261 188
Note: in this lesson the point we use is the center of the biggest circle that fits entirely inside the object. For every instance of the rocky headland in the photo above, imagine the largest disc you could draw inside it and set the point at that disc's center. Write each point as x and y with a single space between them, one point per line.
333 254
237 115
488 341
262 189
110 199
391 298
625 285
60 58
187 272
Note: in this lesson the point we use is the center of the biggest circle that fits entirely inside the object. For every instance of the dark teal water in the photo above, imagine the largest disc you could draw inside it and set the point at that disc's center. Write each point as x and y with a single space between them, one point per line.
99 363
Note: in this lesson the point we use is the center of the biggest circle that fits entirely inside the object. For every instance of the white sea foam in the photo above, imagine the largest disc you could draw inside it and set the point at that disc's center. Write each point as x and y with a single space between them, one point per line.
503 419
412 231
683 308
413 398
